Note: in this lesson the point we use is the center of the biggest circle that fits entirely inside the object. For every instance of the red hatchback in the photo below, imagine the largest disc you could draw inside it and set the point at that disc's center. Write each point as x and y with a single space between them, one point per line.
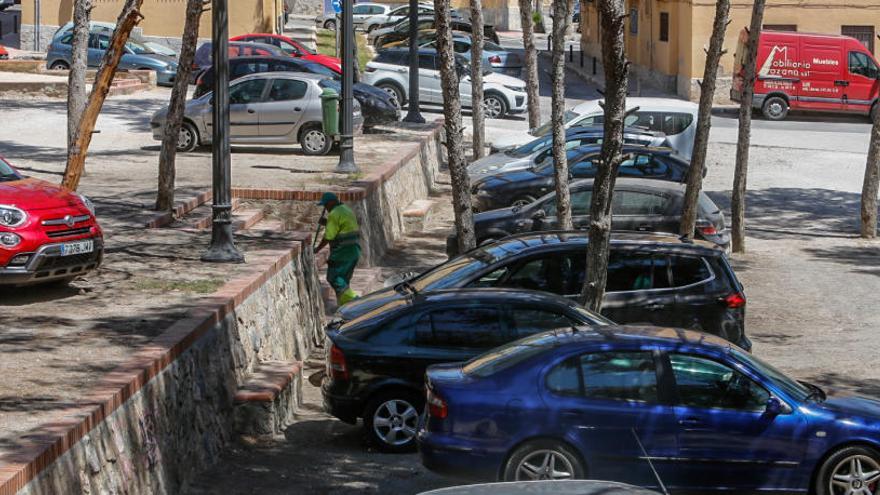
47 233
293 48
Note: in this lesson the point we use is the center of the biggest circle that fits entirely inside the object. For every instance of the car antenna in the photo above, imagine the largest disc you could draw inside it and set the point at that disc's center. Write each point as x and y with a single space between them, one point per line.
647 458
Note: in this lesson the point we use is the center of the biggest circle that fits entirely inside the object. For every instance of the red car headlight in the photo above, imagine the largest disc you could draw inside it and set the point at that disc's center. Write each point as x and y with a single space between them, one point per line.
11 216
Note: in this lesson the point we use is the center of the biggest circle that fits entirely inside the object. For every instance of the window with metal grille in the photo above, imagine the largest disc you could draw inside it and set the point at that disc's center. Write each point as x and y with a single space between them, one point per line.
781 27
865 34
664 26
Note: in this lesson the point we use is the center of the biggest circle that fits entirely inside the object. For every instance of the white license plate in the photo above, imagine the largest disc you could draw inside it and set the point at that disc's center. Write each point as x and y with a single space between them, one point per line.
79 247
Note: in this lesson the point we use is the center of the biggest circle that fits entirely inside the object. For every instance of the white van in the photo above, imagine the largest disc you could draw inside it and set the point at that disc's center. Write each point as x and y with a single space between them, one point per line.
675 118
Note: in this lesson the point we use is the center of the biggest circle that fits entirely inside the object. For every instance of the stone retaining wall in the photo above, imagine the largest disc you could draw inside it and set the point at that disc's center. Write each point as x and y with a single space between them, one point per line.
158 420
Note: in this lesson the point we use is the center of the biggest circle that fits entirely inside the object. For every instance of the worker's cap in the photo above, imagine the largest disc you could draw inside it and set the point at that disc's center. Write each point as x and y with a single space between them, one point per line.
327 198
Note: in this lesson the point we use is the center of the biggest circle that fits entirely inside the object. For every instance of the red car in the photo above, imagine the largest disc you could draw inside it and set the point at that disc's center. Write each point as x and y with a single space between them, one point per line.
293 48
47 233
4 55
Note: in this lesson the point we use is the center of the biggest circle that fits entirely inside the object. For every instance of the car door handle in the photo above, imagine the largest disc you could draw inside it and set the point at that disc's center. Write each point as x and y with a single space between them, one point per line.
690 422
644 227
251 110
297 109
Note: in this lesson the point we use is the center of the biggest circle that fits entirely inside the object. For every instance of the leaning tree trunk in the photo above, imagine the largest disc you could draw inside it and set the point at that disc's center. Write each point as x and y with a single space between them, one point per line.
870 186
704 118
738 198
612 14
177 106
461 189
76 82
557 109
477 114
128 19
530 62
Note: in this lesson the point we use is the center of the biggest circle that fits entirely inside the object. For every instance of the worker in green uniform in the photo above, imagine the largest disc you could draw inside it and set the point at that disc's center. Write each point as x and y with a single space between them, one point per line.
343 235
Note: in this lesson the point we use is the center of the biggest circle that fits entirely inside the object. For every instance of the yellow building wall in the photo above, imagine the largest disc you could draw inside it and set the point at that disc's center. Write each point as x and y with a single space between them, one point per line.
164 17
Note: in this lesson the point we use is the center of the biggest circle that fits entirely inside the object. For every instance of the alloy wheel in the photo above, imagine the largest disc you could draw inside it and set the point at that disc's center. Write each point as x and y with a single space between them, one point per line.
493 107
314 140
855 475
395 422
390 91
184 139
544 465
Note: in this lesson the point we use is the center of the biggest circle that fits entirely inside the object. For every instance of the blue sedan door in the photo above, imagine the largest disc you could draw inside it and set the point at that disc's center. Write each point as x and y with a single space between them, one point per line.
609 405
726 438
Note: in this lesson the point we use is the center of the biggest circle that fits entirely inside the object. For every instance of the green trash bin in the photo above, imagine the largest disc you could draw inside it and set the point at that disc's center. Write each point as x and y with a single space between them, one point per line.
330 113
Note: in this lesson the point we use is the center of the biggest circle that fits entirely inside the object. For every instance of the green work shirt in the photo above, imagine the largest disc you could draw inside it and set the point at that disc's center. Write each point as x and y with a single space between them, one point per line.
341 221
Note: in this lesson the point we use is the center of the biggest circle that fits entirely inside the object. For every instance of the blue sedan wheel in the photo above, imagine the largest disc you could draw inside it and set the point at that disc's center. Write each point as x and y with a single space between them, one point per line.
543 460
850 471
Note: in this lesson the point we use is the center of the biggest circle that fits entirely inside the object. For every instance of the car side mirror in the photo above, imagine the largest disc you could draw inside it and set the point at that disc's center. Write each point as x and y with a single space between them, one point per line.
775 407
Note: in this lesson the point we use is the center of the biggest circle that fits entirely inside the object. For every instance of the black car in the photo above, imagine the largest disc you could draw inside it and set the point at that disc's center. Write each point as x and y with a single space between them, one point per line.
642 205
377 106
521 187
377 362
400 30
652 278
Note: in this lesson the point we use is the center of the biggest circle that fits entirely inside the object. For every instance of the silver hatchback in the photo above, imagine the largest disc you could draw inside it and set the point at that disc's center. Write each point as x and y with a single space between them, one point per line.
265 108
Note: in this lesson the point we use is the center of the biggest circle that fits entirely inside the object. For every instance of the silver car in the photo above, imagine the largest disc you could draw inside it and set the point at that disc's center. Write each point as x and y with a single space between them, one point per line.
360 13
266 108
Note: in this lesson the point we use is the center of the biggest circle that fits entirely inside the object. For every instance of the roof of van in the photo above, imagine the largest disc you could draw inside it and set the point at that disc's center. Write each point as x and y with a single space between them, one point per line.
647 104
811 35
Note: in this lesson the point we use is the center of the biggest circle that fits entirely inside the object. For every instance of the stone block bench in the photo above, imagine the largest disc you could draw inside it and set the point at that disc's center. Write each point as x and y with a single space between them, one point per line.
417 215
266 403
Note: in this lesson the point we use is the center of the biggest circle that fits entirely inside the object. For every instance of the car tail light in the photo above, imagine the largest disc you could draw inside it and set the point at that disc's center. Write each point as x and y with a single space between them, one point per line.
735 300
337 368
706 228
436 405
494 59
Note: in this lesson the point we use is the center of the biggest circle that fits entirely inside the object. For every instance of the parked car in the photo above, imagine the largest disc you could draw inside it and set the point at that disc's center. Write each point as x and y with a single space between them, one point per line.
135 57
500 59
4 55
292 48
377 106
108 28
537 150
5 4
802 71
502 95
641 205
377 362
47 233
400 30
204 56
521 187
398 14
675 118
269 108
544 487
652 278
360 13
712 417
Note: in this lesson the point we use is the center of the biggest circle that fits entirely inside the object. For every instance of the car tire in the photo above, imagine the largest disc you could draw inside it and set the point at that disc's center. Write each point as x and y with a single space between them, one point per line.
394 92
330 24
313 140
391 419
842 463
543 460
874 110
523 200
775 108
494 106
188 139
59 65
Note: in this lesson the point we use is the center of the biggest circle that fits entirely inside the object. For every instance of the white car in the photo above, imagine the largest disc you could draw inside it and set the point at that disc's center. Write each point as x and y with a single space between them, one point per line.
502 95
677 119
360 13
392 16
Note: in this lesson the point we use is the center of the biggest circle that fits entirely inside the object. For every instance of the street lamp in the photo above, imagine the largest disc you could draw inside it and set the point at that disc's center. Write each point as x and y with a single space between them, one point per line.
413 114
222 249
346 131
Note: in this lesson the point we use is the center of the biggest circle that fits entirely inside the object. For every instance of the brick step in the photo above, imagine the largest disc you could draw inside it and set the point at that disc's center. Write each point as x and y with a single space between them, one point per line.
200 218
266 403
182 207
245 219
417 215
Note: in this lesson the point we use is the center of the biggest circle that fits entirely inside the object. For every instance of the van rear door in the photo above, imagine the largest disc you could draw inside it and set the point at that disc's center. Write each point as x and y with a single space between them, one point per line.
822 64
777 66
862 76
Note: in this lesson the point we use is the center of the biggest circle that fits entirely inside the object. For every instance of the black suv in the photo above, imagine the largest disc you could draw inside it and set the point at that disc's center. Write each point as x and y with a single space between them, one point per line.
376 364
641 205
652 278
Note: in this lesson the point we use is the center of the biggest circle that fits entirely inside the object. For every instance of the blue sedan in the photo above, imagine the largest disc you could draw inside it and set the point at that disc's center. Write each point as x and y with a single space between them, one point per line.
619 403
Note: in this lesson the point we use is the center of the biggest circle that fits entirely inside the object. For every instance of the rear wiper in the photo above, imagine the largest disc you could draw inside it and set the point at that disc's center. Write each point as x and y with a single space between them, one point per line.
406 288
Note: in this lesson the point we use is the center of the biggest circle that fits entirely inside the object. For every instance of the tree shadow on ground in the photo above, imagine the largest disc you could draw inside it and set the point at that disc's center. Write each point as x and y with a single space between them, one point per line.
863 259
869 387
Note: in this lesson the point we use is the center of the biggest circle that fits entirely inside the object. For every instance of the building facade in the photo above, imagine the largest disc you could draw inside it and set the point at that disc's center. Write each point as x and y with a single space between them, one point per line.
665 39
163 19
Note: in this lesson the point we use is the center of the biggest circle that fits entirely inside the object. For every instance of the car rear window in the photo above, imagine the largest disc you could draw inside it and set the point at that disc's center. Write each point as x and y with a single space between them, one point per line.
392 57
688 270
509 355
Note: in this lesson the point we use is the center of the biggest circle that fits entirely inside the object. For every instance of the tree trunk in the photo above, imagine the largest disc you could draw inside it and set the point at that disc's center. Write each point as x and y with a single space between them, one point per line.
704 118
479 144
177 105
76 87
613 15
738 198
128 19
870 186
530 61
561 18
461 188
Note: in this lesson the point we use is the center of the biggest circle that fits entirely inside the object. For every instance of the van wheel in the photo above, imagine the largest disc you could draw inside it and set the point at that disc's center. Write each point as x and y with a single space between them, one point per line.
775 108
391 420
314 141
543 460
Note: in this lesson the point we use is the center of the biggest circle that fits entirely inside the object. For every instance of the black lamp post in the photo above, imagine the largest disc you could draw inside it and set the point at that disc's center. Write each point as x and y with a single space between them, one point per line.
413 114
222 249
346 129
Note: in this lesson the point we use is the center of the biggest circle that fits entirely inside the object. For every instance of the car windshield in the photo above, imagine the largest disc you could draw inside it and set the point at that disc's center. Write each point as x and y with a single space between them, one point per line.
7 173
488 45
547 160
793 388
138 49
530 147
508 355
319 69
544 129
